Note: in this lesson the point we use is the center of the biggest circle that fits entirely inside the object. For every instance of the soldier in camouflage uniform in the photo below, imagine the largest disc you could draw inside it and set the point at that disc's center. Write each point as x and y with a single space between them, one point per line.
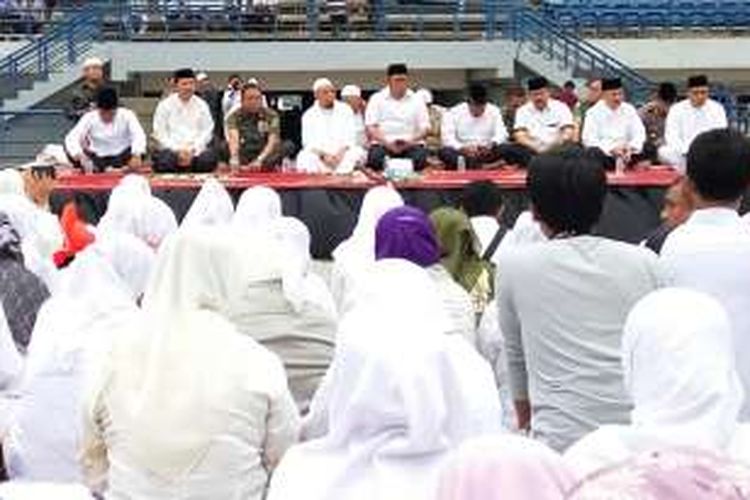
254 133
84 97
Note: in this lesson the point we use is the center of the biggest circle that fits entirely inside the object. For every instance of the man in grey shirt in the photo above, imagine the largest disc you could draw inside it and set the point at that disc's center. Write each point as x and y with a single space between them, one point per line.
563 304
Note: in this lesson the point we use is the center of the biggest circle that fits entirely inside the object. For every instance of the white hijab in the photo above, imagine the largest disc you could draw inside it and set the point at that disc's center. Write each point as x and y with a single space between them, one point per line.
212 206
165 374
11 362
355 254
258 208
132 209
302 287
402 395
679 368
43 491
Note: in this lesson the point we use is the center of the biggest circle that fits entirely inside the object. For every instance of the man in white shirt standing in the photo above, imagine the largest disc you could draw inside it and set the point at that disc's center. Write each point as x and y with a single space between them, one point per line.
397 122
540 124
563 303
614 127
183 127
710 252
107 137
474 130
352 95
328 140
688 119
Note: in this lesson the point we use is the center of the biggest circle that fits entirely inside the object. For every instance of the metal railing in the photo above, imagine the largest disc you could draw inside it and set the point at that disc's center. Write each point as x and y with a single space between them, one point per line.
580 56
62 46
24 136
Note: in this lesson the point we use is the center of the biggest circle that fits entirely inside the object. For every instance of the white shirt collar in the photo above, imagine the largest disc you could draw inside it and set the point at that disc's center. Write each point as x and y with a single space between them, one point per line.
715 216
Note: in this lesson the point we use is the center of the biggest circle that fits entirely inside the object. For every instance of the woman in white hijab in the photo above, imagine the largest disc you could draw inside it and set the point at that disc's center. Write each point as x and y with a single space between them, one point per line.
291 311
96 296
258 208
132 209
679 368
11 182
185 406
402 396
356 253
212 206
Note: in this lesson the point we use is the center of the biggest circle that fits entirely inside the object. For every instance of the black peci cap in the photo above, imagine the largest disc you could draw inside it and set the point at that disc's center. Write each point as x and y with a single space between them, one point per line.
477 94
611 84
537 83
397 69
697 81
106 98
184 73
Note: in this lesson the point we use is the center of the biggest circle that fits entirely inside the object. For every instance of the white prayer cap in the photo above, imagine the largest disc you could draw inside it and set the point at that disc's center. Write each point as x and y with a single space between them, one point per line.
93 62
425 95
322 83
351 91
253 81
201 76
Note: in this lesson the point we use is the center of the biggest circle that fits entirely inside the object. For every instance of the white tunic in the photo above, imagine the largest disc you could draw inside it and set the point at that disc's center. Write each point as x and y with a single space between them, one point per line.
461 128
711 253
328 131
403 118
544 126
606 128
107 139
685 122
183 125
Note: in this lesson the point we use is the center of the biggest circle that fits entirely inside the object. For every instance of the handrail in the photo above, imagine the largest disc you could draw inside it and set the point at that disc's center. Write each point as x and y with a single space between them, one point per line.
576 53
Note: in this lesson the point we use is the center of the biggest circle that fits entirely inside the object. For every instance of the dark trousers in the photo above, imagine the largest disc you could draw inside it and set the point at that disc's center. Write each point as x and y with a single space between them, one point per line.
450 156
101 163
165 161
377 155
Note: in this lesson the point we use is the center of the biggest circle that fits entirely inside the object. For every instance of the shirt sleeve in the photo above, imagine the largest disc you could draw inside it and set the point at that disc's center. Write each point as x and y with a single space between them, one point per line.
274 124
672 135
565 115
423 118
161 126
589 134
637 132
76 136
372 112
308 130
449 130
283 422
501 132
510 325
522 119
350 134
205 130
722 121
137 135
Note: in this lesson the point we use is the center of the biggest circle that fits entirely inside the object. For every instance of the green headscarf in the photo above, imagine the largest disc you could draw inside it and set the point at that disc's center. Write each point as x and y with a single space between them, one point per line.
459 246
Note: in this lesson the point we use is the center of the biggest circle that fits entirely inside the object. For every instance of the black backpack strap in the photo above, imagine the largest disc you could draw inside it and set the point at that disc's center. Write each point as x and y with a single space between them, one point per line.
492 247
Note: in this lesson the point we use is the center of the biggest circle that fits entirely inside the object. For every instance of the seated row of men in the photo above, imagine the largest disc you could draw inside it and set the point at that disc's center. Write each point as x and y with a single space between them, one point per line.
340 136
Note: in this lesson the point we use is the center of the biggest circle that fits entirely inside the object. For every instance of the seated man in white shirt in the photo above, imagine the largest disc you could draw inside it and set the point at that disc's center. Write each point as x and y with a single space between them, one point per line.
710 252
183 127
688 119
328 140
397 122
483 203
614 127
107 137
540 124
352 95
475 131
563 303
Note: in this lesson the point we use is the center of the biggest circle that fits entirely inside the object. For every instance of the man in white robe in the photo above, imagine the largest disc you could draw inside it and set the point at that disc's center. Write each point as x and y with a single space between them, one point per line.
688 119
329 144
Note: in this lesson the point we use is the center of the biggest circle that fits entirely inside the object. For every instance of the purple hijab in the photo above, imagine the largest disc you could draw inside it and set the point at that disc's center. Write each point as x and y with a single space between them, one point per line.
407 233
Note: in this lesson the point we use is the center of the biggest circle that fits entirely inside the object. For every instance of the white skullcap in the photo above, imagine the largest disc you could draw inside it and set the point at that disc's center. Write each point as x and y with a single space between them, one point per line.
425 95
321 83
201 76
351 91
93 62
253 81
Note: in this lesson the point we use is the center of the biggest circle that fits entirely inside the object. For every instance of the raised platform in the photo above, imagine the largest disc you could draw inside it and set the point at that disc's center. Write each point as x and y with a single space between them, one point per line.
329 204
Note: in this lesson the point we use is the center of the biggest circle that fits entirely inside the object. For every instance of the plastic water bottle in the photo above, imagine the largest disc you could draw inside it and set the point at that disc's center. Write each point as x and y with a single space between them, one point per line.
461 164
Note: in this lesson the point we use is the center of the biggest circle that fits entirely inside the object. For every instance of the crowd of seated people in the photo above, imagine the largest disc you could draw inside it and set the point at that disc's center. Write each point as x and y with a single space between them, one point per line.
445 357
197 126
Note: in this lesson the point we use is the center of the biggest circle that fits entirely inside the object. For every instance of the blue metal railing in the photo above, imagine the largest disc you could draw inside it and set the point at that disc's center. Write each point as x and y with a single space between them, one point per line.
63 45
576 54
